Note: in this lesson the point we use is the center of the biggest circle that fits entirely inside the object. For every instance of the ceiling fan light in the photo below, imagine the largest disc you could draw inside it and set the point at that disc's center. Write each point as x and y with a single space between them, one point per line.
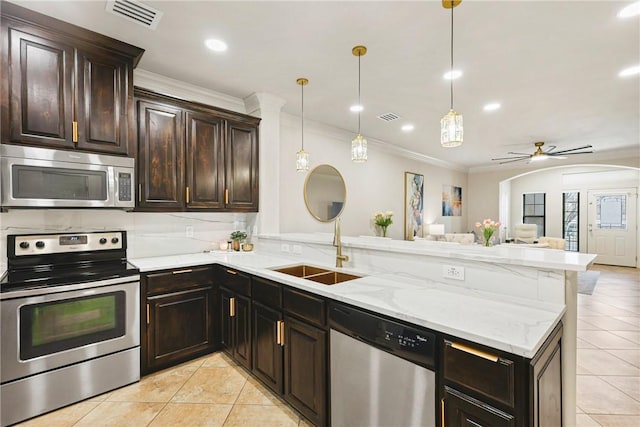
359 149
302 161
539 157
451 130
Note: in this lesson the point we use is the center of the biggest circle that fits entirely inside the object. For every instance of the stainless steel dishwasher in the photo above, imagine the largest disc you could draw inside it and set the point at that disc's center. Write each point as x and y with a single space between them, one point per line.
381 371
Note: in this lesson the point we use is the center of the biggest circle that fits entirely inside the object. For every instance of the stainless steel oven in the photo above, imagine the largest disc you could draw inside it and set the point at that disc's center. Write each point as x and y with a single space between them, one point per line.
69 308
41 177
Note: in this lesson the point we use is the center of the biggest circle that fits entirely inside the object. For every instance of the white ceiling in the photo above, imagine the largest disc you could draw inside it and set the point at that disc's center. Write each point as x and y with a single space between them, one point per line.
553 65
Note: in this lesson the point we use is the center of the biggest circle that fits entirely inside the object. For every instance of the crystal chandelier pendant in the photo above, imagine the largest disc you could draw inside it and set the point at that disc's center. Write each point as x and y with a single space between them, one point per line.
359 149
451 130
302 161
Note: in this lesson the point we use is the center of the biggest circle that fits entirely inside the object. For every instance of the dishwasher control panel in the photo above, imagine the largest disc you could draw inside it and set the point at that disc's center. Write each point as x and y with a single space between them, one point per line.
407 341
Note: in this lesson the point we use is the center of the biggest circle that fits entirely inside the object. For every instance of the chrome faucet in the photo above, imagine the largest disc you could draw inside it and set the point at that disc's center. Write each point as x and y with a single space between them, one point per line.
338 244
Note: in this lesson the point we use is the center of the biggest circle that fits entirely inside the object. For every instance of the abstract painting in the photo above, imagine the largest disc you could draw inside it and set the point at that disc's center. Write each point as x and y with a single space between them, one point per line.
413 205
451 200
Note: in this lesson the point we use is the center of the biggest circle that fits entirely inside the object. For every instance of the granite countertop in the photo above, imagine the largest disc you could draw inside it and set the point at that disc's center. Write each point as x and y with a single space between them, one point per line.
511 324
507 254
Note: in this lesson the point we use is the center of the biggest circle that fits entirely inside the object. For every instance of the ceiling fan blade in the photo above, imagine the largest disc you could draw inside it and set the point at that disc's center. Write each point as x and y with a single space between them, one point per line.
519 154
512 158
570 154
574 149
550 148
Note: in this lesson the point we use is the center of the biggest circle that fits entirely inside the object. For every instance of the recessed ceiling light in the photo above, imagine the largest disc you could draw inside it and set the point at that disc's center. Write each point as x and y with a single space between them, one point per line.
632 10
631 71
356 108
452 75
216 45
407 127
492 106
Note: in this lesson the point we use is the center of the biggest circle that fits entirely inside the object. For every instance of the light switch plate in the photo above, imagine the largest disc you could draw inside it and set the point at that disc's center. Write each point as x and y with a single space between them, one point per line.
284 247
297 249
188 231
453 272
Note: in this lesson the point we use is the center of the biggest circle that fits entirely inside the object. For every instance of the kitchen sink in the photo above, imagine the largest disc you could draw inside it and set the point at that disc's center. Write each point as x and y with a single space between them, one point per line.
317 274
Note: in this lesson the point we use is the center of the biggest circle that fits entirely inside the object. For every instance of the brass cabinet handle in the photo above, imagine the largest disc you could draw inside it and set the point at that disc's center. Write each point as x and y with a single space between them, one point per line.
278 332
75 131
139 192
148 315
188 270
232 307
226 196
232 272
282 333
475 352
187 194
442 412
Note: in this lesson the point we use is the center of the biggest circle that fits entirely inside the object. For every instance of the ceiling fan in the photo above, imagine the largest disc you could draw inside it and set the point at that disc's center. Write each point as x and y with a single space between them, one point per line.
539 154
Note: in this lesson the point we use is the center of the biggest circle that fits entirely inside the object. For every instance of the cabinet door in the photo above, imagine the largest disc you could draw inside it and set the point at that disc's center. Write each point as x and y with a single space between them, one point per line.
242 331
225 323
305 370
179 326
205 166
160 157
102 99
267 351
39 108
460 410
241 154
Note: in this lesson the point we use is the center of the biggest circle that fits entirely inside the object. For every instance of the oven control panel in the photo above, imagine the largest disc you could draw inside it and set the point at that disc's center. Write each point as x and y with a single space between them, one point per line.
69 242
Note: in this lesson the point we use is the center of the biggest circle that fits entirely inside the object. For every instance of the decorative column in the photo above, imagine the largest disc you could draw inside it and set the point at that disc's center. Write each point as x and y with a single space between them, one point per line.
267 107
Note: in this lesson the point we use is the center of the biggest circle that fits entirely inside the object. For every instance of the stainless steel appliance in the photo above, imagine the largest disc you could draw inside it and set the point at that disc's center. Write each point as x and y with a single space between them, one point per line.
381 371
69 306
40 177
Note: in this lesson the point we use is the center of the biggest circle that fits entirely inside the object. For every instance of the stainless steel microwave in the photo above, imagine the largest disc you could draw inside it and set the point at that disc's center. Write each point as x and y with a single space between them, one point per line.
43 178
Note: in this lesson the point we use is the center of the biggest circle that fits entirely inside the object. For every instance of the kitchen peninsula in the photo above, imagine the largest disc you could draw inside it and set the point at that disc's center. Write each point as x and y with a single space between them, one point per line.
507 298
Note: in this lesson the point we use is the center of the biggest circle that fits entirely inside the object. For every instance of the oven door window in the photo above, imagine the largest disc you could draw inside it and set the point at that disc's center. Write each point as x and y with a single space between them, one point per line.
55 326
49 183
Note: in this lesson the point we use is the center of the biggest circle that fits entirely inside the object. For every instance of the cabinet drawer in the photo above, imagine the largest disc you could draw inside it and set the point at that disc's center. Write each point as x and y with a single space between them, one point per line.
305 306
234 280
179 278
485 373
266 292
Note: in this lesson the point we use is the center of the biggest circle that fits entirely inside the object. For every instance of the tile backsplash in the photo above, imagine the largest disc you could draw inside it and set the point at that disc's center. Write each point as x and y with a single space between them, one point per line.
149 234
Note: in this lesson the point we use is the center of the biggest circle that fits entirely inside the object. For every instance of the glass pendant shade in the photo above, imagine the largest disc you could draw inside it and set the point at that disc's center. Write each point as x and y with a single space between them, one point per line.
359 149
302 161
451 130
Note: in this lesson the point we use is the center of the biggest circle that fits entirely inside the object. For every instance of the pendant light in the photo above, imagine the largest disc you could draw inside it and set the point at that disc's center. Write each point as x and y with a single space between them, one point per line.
451 129
359 143
302 157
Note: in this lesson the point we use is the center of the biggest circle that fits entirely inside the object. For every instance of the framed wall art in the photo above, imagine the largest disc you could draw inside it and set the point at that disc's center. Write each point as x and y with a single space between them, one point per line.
451 200
413 205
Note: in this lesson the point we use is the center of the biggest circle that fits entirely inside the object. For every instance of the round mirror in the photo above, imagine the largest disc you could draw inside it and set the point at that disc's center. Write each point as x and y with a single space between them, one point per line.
325 193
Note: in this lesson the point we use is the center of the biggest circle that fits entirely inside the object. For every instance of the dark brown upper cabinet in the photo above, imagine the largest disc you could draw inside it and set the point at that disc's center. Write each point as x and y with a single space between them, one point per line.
195 157
64 86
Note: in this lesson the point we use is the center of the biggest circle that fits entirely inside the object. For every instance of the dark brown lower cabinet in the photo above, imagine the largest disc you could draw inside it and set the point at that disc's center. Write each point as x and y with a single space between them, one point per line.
179 326
267 348
460 410
235 326
305 369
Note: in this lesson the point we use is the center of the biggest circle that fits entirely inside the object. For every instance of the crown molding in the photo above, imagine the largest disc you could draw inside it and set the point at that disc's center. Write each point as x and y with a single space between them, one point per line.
263 101
168 86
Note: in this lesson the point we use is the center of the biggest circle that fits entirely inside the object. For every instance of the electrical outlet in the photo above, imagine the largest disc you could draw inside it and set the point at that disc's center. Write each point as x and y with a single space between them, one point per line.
453 272
188 231
297 249
284 247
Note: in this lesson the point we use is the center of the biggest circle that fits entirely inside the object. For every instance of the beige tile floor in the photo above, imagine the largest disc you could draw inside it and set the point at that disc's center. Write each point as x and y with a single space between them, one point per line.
213 391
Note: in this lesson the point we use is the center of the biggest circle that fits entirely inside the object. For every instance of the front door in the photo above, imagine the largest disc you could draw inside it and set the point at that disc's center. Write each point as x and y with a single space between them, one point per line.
612 230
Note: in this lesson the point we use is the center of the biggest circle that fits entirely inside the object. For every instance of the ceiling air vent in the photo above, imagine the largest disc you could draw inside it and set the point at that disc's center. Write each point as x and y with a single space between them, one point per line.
133 10
388 117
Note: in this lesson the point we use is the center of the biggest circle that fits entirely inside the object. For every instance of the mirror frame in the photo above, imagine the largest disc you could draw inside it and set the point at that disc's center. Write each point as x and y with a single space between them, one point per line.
306 200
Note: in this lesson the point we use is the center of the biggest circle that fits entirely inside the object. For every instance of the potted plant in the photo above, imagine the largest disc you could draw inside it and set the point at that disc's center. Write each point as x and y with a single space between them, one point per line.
237 236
